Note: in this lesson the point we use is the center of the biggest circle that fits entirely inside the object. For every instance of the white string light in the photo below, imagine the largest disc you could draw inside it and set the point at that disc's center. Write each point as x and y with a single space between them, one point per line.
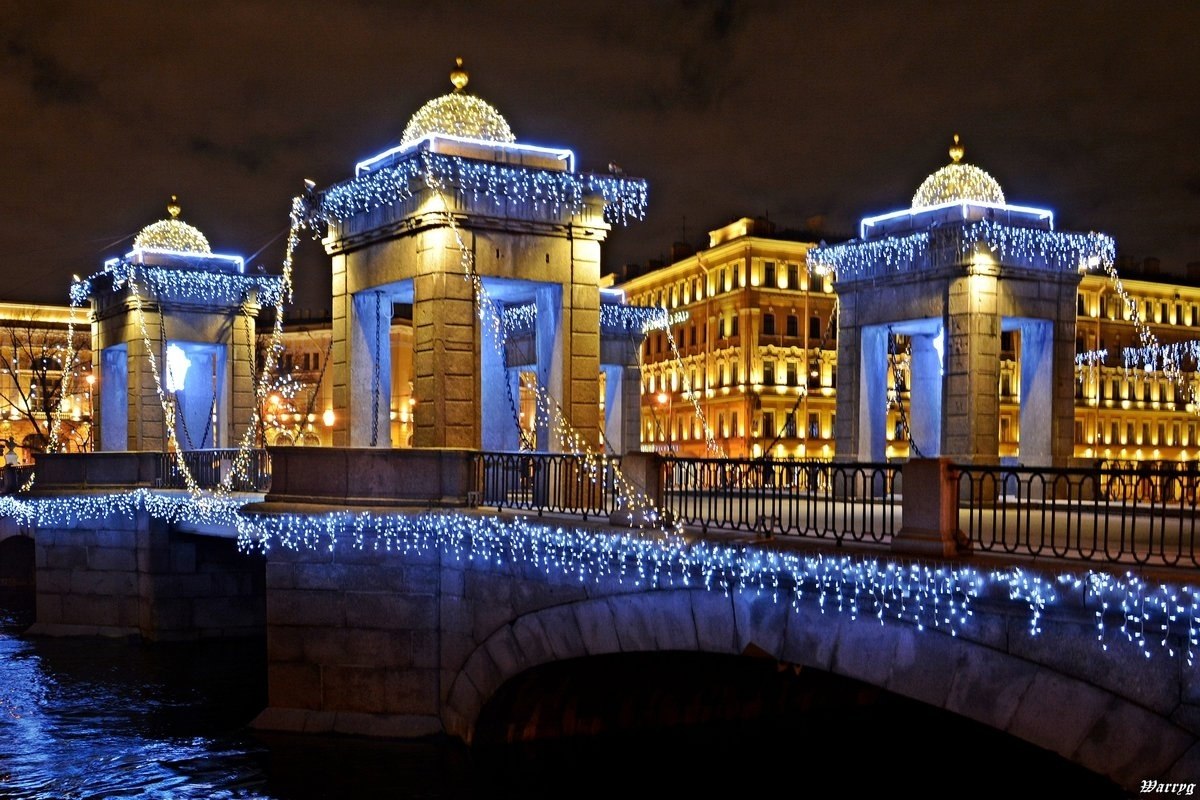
1153 618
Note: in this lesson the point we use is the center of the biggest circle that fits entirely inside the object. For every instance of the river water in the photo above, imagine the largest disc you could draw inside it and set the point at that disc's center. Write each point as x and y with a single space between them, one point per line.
102 718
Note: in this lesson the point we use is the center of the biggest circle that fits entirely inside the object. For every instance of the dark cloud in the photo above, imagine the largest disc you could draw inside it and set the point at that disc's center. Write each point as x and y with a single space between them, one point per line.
793 109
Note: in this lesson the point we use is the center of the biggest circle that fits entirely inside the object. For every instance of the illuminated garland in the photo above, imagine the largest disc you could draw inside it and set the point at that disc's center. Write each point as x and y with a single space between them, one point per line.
172 234
624 198
1032 247
1149 617
1171 367
458 114
955 182
614 318
1155 357
183 284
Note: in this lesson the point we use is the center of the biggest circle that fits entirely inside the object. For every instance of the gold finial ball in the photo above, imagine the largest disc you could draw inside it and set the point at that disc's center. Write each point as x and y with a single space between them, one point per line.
956 150
458 75
173 207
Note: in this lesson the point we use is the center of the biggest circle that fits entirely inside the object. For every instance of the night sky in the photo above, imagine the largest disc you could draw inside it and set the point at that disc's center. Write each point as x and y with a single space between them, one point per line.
810 114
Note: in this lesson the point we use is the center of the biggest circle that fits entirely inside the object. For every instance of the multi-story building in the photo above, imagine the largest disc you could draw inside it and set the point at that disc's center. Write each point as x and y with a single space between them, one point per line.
1124 410
747 366
298 406
38 368
752 353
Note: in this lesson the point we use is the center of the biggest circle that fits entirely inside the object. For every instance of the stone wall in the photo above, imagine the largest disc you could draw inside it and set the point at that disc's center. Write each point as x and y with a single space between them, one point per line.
128 577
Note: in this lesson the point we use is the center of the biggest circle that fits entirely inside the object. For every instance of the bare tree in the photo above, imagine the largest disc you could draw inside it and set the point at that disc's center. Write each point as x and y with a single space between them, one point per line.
37 365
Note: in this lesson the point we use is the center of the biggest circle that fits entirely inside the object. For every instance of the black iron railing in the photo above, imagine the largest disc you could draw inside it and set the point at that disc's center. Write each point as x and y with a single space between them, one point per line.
557 483
787 497
1141 515
209 469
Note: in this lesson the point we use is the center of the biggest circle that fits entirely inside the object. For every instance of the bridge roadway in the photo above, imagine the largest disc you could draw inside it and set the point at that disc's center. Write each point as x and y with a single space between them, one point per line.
369 637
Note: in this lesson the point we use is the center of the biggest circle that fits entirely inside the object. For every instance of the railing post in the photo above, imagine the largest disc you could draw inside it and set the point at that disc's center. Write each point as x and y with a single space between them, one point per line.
644 473
930 510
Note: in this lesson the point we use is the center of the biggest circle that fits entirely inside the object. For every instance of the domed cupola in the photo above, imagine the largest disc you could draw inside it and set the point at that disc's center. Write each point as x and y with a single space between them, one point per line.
458 114
172 234
958 182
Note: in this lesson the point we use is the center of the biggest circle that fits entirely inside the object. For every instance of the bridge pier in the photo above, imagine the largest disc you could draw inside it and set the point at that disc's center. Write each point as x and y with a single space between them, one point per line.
138 576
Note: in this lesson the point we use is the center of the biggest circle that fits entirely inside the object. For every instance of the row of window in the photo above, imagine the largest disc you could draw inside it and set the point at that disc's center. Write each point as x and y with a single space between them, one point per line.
684 428
1163 312
1144 434
729 278
727 328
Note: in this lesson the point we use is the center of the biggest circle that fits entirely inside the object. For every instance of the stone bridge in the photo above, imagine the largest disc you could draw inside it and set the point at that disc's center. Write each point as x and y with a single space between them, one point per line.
410 621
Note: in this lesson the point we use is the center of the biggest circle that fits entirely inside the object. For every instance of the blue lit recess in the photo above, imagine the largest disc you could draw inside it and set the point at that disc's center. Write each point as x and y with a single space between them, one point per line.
1129 611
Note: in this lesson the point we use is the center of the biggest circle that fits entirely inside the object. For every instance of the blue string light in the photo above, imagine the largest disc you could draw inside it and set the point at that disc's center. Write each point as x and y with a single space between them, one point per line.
1151 618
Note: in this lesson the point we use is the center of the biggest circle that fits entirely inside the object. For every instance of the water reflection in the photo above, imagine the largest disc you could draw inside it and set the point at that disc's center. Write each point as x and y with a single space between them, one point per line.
102 718
99 718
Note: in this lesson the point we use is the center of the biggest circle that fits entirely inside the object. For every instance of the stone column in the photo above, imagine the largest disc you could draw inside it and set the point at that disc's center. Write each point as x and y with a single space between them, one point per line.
970 414
925 409
1037 392
872 392
445 373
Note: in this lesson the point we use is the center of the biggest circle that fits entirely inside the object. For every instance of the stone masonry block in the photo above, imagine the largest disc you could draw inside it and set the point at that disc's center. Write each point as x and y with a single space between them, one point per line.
716 631
988 686
411 691
597 627
351 688
1129 743
530 639
810 638
506 652
291 685
761 620
563 634
1057 713
309 608
388 611
632 621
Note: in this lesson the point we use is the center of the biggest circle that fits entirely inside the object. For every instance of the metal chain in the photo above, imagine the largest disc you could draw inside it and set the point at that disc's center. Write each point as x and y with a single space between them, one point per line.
526 441
914 450
375 379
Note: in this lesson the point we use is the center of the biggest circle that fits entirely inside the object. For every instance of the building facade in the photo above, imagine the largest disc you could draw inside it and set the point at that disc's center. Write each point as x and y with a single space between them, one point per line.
752 351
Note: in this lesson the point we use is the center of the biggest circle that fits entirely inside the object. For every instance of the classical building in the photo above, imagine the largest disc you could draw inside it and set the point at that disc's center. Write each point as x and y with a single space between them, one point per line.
747 367
298 402
46 380
752 352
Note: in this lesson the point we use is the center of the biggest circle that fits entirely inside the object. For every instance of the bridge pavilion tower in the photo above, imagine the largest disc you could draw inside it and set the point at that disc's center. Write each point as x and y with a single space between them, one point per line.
173 341
952 274
484 237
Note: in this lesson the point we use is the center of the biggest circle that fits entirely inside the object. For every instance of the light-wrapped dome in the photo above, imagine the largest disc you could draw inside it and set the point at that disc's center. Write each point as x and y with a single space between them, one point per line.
172 234
458 114
957 182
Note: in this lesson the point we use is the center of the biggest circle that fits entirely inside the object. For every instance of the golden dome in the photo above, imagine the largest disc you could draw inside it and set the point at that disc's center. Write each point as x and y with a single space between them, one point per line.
172 234
957 182
458 114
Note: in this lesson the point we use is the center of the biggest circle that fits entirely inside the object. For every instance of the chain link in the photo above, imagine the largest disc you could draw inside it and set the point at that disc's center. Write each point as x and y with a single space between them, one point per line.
375 379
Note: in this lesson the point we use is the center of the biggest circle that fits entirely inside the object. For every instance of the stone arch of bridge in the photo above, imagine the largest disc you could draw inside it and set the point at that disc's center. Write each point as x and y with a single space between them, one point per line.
1073 716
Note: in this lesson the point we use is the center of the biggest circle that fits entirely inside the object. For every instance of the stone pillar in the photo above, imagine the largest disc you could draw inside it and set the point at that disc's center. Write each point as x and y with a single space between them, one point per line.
872 390
549 364
849 350
925 407
971 410
1037 393
581 353
244 373
446 380
370 365
498 394
930 508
